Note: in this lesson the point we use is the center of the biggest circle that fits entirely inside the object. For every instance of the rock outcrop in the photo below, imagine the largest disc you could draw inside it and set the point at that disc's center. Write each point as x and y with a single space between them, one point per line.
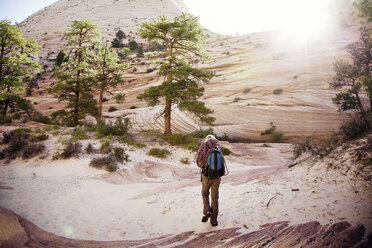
16 231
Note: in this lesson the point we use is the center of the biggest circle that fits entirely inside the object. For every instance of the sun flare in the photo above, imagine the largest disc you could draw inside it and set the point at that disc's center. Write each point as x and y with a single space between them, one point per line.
297 18
308 20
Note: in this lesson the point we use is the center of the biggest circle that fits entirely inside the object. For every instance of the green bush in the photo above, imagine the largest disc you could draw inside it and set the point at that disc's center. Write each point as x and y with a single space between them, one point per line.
32 150
185 160
159 153
181 140
224 137
354 128
78 134
38 137
107 163
71 149
90 149
38 117
56 155
225 151
16 135
120 155
16 141
5 119
202 133
118 128
277 137
106 147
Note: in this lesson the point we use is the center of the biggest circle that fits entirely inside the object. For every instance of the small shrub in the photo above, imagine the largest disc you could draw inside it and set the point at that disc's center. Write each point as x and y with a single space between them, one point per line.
107 163
38 117
276 136
106 147
56 155
246 90
38 137
318 148
16 135
90 149
71 149
119 128
202 133
16 141
112 109
120 155
78 134
149 70
32 150
139 145
353 128
159 153
5 119
269 130
133 107
302 147
236 99
185 160
181 140
224 137
277 91
225 151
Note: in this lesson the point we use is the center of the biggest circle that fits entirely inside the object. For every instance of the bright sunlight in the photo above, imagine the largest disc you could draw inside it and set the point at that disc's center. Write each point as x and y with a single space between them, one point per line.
298 18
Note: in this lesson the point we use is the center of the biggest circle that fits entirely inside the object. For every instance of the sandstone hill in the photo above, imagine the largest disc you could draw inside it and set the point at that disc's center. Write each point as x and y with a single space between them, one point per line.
260 77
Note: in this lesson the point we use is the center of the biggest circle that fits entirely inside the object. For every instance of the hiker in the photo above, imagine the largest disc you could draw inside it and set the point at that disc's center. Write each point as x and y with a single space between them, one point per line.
210 151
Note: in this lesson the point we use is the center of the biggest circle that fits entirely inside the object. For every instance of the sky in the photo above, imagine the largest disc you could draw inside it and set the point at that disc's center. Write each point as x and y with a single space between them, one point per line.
229 17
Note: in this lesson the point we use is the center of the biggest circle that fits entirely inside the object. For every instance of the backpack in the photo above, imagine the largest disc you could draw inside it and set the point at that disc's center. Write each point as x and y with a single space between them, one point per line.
215 164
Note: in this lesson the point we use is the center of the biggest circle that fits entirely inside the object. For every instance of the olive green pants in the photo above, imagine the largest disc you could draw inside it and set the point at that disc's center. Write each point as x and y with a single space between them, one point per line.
213 185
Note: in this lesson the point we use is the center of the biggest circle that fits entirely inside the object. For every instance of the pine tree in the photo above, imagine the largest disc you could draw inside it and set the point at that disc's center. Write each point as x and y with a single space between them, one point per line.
124 52
118 41
183 39
108 67
76 77
355 76
16 63
133 45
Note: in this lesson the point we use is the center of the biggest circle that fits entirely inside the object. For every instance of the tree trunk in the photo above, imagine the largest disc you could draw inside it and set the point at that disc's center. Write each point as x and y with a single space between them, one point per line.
362 111
76 109
99 115
168 100
167 116
5 107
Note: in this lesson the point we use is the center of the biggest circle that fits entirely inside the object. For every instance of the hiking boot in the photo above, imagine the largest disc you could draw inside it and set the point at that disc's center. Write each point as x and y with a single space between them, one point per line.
206 216
214 222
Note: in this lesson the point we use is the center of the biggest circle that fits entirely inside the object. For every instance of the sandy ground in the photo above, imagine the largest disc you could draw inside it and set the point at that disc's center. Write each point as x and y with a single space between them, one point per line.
150 197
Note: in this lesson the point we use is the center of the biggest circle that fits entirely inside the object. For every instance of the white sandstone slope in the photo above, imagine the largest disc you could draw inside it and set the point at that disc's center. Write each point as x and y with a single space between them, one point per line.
248 70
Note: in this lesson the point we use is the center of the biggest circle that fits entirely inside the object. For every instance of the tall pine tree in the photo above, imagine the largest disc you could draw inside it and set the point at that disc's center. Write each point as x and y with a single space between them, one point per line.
76 76
183 38
107 66
16 63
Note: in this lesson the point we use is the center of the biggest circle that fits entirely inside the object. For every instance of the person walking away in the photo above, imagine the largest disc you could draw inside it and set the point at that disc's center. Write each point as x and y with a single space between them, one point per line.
210 153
